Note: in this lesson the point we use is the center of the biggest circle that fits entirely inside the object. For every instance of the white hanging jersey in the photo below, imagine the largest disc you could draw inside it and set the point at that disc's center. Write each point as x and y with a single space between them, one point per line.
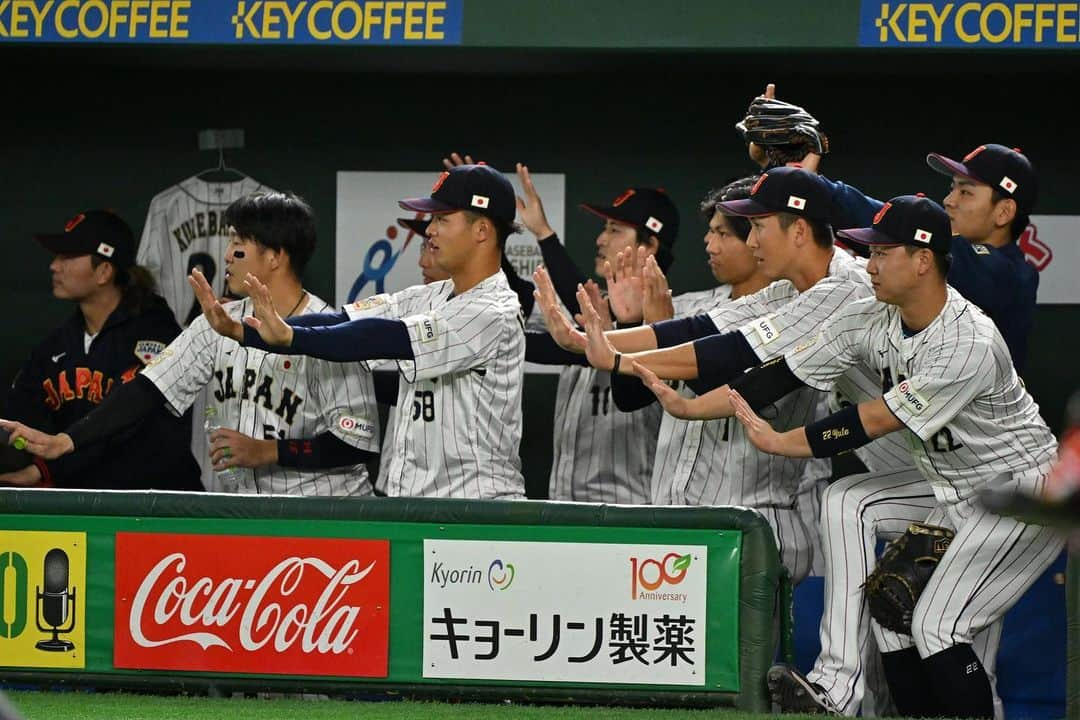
185 229
458 416
952 385
273 397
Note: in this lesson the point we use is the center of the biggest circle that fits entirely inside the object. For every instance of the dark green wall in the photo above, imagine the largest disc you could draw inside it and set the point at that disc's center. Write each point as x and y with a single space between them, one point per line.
90 127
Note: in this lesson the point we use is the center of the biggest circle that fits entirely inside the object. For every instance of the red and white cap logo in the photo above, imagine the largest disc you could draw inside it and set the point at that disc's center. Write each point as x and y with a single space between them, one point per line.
105 249
654 224
1008 184
480 201
794 201
923 236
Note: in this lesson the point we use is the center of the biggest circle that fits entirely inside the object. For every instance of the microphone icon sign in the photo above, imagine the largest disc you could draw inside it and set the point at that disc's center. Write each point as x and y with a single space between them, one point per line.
56 605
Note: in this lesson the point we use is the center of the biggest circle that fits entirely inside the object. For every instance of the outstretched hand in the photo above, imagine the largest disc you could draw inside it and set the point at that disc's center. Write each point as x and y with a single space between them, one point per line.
530 208
455 159
266 321
212 308
601 305
36 442
624 284
672 402
598 350
656 305
558 325
759 432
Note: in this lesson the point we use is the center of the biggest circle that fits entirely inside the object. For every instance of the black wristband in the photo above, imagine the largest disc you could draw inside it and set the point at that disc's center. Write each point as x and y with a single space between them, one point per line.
615 367
837 433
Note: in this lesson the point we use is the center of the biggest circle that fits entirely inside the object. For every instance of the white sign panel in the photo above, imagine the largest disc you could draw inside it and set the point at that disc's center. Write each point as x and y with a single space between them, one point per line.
571 612
1050 244
374 254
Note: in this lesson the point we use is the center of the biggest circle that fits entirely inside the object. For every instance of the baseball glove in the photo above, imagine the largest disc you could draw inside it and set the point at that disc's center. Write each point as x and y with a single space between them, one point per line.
786 132
905 567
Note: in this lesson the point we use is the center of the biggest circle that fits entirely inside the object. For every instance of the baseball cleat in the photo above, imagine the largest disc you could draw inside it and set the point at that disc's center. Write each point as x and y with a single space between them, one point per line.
793 693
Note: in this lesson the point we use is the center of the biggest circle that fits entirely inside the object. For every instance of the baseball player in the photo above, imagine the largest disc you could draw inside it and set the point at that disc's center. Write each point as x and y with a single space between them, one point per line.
386 381
300 426
458 344
600 453
988 205
949 382
118 327
993 192
184 230
711 462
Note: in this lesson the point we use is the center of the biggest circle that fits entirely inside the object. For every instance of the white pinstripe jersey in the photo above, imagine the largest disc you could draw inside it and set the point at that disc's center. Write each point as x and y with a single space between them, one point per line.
952 385
777 318
277 397
185 228
600 454
711 462
458 418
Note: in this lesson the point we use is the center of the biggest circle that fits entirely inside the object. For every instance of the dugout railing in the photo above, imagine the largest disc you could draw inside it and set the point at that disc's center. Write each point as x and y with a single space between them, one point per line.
519 600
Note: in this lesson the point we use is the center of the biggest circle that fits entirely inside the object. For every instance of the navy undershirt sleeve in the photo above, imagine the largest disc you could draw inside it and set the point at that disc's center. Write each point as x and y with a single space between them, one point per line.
542 348
318 319
721 359
564 274
670 333
629 393
320 453
361 339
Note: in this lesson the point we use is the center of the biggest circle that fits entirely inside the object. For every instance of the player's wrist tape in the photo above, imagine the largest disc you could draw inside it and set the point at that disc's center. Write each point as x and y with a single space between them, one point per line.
766 383
837 433
615 367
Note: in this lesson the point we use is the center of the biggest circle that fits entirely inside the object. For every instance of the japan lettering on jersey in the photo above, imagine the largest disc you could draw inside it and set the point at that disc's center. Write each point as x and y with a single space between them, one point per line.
458 419
274 397
185 229
952 385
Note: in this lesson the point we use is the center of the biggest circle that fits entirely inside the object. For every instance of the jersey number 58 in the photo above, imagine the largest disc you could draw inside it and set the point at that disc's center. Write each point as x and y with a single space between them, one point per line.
424 405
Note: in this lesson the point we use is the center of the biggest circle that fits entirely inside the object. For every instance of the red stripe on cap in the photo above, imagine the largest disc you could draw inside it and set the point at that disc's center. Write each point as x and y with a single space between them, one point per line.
74 222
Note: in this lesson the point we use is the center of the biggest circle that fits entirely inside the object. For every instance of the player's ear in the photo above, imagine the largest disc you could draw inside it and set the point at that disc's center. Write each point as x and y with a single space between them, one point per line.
1004 212
105 273
484 229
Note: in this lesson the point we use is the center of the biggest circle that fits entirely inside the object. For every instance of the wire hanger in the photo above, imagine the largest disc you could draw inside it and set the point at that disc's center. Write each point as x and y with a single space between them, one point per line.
222 168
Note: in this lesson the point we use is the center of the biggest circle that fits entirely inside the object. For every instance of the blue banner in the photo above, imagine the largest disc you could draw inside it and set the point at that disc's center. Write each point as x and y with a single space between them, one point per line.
988 25
233 22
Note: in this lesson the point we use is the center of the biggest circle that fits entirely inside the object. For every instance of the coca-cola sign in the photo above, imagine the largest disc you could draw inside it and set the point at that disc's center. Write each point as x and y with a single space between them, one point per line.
236 603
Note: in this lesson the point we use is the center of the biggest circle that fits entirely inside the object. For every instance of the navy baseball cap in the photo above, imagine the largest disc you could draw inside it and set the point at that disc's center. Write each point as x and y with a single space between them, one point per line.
94 232
415 225
650 209
1004 169
478 188
906 220
785 189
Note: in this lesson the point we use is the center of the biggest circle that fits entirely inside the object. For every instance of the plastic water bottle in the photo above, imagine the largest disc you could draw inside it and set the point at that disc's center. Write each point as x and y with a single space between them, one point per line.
229 479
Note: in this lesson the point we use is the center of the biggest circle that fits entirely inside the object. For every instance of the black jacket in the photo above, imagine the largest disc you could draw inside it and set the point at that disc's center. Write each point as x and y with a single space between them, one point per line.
61 383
